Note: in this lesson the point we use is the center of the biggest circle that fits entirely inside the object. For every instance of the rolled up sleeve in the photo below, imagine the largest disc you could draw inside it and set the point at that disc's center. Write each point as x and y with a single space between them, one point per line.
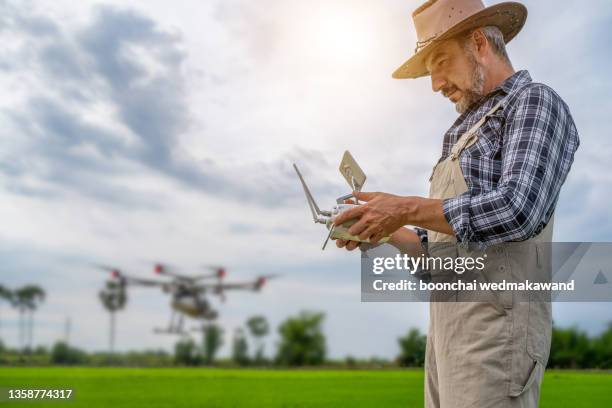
539 140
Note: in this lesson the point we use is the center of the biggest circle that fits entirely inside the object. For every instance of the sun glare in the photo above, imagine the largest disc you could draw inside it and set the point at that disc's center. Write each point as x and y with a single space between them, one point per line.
342 35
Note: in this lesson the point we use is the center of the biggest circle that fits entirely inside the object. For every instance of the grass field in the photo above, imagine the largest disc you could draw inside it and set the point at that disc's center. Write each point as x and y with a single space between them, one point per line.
198 387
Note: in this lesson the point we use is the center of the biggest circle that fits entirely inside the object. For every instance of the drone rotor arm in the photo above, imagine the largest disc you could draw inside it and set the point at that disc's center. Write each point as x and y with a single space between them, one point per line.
143 282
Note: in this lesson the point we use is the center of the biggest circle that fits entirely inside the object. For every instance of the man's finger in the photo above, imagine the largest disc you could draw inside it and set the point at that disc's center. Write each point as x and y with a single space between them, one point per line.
364 196
352 245
349 215
376 237
340 243
358 227
369 232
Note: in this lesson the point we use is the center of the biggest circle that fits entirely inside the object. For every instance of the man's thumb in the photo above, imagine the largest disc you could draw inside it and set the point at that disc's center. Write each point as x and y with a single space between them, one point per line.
363 196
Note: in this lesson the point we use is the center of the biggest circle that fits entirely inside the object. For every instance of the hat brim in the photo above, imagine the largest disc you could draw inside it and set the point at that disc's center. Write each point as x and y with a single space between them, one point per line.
510 17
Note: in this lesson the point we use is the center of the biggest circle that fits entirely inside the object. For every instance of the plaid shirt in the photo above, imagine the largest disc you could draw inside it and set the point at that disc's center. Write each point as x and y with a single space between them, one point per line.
515 170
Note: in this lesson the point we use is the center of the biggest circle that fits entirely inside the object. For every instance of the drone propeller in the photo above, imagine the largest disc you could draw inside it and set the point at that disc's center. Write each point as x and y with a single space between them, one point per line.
131 280
115 272
219 272
117 278
262 280
161 268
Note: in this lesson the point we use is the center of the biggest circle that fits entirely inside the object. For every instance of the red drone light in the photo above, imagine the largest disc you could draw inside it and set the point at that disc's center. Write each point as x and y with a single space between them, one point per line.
261 281
115 273
158 268
220 272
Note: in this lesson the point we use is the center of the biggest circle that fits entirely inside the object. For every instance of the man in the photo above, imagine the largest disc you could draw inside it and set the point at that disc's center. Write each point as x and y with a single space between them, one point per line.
497 182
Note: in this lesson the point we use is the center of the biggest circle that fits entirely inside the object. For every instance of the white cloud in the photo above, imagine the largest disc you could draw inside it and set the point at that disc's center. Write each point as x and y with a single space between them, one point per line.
231 94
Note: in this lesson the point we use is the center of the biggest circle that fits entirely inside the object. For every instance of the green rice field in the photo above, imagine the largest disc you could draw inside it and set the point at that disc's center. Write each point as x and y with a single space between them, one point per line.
210 387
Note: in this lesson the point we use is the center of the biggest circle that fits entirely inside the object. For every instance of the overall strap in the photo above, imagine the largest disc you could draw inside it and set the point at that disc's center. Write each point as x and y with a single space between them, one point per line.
469 135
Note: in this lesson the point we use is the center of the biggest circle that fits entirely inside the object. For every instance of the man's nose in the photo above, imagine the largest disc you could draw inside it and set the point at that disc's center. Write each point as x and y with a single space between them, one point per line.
437 82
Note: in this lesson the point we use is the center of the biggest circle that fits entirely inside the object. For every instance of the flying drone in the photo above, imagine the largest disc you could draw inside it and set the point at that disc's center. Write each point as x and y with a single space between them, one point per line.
188 293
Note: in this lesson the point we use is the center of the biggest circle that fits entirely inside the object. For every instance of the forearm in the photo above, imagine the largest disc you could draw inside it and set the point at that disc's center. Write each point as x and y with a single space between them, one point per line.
426 213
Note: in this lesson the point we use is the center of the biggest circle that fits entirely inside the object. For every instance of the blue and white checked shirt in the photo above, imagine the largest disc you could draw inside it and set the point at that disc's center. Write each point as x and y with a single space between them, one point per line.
515 170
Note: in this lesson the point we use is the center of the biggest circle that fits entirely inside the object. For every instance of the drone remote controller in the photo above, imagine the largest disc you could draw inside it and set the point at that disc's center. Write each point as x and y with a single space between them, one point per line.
353 174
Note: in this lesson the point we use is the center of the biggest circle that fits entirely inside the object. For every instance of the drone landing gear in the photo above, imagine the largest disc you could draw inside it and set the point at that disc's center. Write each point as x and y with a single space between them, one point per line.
175 326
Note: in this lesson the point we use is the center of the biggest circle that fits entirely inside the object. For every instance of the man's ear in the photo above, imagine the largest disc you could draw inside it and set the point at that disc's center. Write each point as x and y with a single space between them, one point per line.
480 41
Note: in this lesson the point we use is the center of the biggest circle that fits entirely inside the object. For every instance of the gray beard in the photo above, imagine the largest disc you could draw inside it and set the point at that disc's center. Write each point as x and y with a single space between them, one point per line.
476 90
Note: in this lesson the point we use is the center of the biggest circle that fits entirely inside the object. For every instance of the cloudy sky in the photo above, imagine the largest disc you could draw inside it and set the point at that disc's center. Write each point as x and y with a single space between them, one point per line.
151 130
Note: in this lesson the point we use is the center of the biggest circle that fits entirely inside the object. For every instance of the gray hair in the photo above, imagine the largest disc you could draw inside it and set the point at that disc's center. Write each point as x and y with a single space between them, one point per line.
495 37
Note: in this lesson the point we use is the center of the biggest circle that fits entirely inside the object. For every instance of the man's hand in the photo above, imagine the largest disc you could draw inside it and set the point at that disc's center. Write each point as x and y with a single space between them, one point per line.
404 239
382 215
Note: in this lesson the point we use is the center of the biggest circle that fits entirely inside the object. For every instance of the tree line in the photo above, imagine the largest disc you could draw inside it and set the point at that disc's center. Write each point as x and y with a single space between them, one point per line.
570 348
301 342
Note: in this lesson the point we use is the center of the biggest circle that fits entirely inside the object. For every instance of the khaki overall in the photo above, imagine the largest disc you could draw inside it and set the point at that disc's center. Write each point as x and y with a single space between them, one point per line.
486 353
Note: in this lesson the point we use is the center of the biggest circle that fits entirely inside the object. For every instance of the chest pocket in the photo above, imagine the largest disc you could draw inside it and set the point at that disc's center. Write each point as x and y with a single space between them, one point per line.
488 144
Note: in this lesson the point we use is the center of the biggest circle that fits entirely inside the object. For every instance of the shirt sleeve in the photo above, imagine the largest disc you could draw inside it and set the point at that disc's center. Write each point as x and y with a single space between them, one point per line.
422 234
539 142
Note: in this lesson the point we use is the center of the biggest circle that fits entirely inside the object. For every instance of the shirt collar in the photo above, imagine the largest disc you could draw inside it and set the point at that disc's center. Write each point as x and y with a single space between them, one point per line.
510 85
515 81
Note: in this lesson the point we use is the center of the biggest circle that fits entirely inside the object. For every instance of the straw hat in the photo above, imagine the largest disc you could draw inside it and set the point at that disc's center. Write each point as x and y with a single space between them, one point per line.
437 20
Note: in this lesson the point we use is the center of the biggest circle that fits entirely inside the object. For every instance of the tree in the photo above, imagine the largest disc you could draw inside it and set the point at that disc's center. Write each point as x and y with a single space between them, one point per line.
63 354
27 300
7 296
186 353
570 348
302 340
258 327
20 302
113 298
602 346
240 348
36 296
213 339
412 349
